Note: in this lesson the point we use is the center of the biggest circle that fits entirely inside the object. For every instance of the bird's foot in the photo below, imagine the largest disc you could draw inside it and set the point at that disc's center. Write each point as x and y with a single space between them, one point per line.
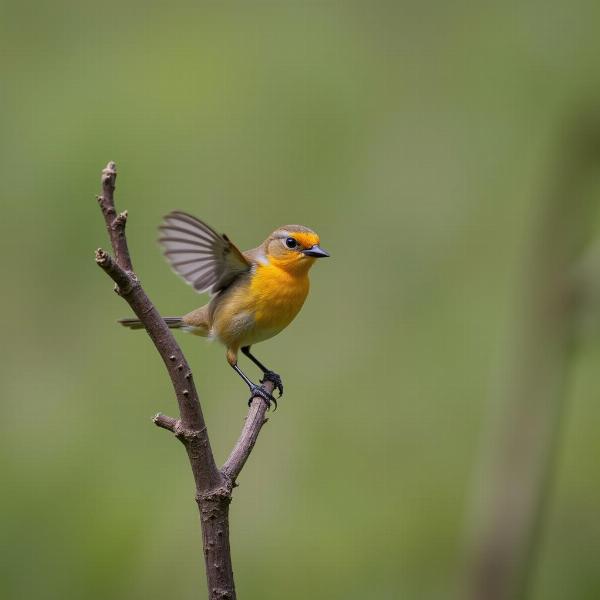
257 390
275 380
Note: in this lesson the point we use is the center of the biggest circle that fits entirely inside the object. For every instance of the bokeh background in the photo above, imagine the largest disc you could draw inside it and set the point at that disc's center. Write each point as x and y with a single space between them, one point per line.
419 140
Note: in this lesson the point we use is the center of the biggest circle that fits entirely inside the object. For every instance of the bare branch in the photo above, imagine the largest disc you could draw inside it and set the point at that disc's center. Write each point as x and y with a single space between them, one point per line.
213 487
122 279
115 224
203 463
252 426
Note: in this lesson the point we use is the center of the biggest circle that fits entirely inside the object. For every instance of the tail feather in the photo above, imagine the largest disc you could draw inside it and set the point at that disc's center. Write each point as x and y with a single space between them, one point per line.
172 322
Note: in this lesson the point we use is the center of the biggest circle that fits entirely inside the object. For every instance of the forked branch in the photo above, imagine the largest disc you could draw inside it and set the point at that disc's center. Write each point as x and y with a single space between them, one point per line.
213 485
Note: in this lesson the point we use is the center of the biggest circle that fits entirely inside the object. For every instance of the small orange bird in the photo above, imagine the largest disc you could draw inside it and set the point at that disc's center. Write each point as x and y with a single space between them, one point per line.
255 294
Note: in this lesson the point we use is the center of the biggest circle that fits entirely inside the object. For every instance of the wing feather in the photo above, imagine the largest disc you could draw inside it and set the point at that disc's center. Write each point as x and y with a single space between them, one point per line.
182 263
196 252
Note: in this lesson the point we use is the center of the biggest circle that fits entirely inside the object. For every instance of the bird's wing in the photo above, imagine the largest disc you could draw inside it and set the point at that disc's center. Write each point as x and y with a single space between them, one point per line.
196 252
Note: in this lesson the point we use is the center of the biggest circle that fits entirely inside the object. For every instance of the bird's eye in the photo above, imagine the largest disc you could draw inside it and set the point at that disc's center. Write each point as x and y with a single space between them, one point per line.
291 243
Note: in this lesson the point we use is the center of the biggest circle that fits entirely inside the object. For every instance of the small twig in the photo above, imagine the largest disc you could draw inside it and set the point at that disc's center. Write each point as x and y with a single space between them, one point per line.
122 279
165 422
115 224
252 426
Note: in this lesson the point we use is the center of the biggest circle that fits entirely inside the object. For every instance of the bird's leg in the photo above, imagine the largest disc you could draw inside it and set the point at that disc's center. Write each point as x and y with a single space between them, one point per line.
255 390
268 375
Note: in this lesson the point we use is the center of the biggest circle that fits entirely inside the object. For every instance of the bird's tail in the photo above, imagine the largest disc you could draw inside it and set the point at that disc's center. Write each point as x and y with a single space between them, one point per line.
172 322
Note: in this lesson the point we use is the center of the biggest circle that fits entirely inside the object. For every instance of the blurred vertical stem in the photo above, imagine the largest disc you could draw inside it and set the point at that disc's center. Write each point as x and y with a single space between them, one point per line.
517 482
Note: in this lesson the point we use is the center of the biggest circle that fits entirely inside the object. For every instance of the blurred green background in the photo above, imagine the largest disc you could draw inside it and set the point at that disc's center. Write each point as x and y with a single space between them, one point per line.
415 138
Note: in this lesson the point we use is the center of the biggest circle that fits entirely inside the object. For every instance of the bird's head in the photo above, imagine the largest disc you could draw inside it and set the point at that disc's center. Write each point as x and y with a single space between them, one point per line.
294 248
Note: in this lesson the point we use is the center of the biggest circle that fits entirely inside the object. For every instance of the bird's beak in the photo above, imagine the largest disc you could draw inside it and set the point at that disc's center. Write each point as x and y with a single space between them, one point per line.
316 251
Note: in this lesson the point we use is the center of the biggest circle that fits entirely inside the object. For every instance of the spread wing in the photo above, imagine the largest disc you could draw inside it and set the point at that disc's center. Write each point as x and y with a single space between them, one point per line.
204 258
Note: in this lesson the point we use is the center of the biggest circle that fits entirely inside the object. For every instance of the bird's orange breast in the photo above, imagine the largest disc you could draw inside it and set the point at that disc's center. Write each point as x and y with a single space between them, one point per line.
277 294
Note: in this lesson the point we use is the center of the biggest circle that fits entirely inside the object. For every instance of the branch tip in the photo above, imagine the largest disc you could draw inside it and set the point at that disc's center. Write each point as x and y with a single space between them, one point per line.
101 256
110 170
165 422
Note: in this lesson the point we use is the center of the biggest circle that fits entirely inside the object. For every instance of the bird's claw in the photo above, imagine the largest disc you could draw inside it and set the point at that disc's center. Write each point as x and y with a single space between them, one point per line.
257 390
275 380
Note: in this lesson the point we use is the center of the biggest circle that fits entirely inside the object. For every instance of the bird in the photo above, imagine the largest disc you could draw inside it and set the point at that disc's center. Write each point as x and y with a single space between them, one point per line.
254 294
